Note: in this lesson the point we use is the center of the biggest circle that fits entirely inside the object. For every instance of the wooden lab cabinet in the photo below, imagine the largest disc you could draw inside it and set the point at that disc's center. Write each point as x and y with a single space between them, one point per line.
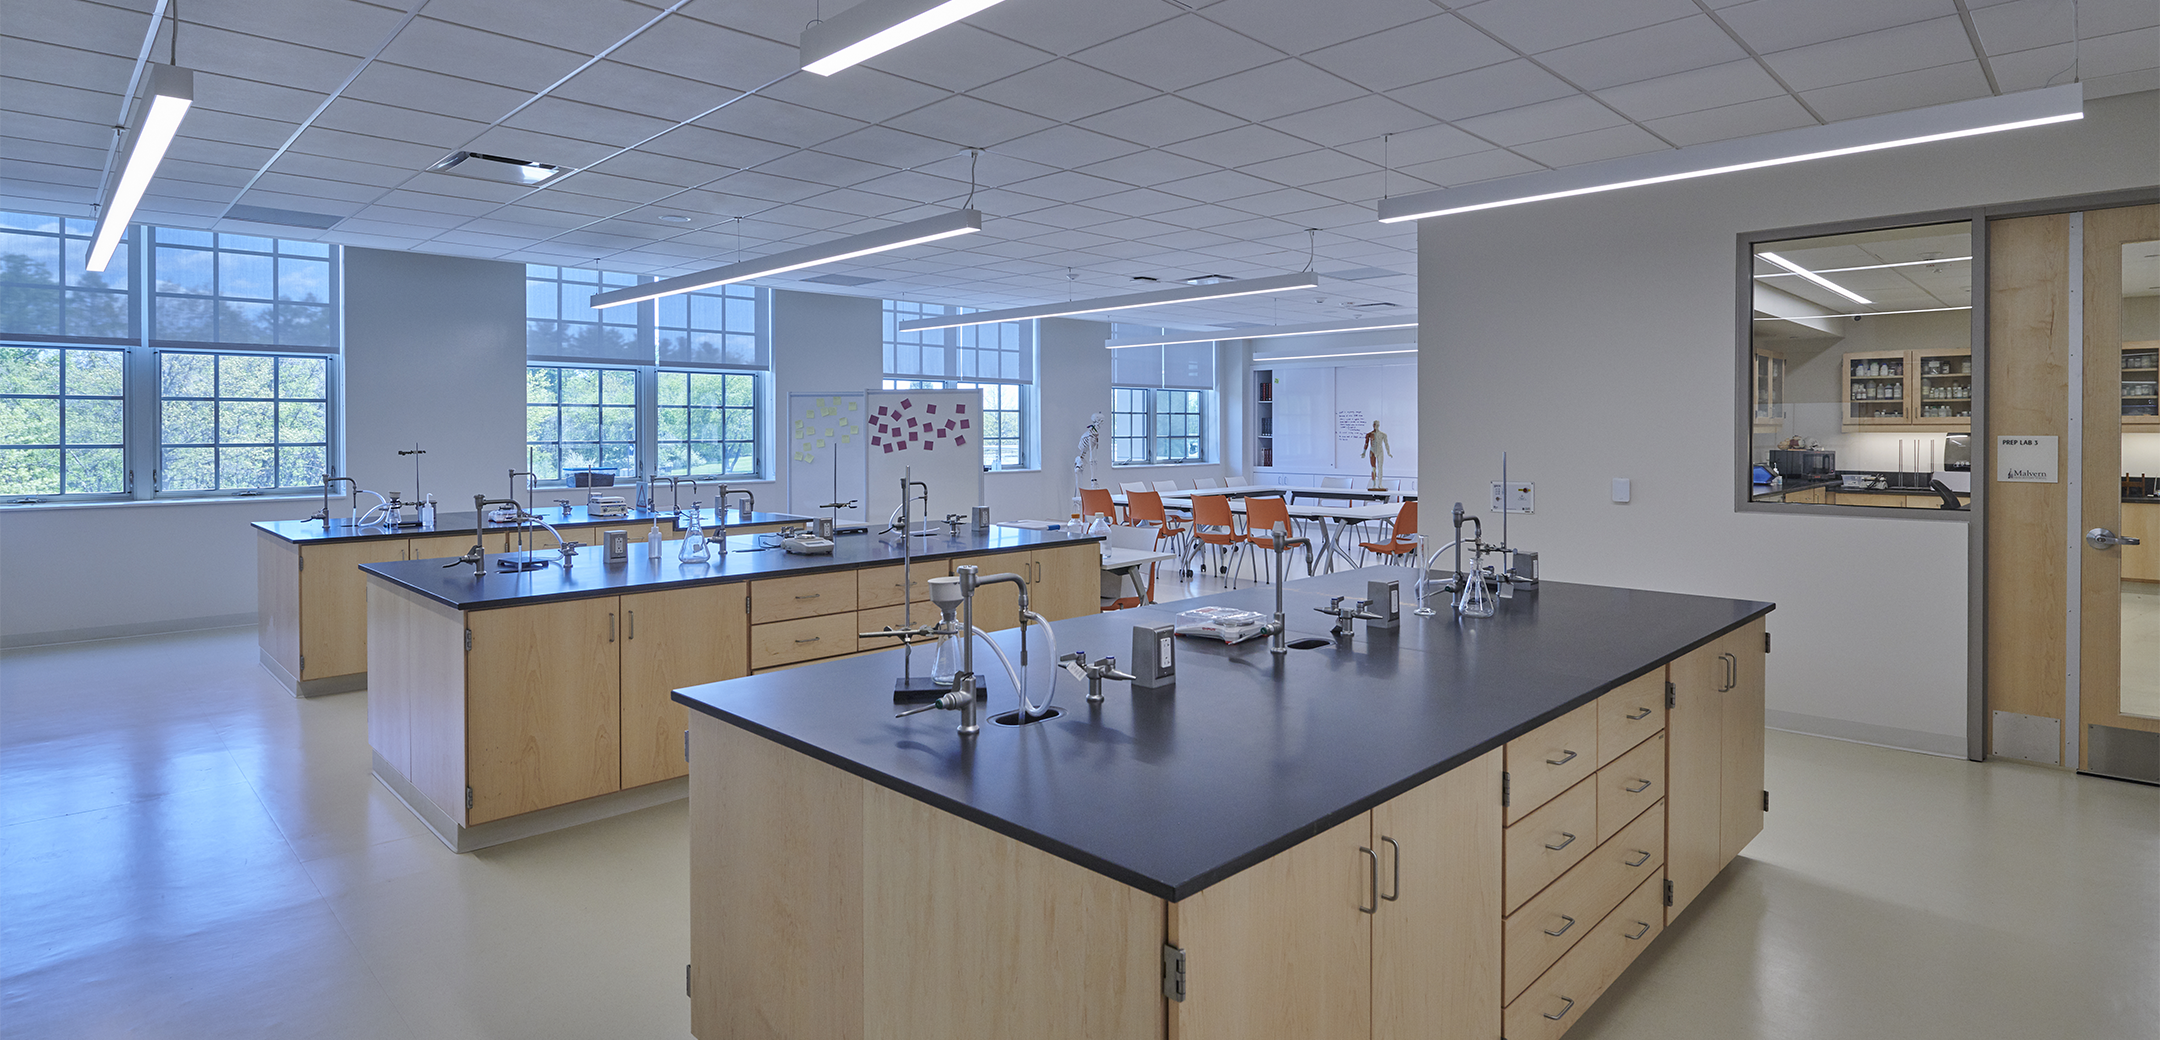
1908 390
312 604
1714 750
2141 562
671 639
1063 582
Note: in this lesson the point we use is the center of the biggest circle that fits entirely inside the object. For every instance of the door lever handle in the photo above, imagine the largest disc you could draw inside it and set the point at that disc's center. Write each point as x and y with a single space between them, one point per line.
2102 538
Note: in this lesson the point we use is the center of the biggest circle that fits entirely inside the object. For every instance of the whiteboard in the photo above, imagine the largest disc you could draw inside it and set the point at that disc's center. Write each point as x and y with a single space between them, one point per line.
827 460
932 432
1304 420
1322 413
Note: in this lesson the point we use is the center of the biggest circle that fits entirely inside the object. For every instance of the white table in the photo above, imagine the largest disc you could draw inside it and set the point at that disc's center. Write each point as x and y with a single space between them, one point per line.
1126 564
1289 494
1343 517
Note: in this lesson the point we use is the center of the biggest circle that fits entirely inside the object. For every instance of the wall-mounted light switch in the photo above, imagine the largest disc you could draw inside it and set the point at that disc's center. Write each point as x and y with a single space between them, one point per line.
1620 489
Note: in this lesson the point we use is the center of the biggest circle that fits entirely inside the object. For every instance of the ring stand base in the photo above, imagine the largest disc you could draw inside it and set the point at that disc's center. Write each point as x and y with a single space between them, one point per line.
917 690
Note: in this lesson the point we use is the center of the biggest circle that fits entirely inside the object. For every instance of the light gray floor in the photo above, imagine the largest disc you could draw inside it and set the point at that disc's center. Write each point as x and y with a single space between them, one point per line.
186 851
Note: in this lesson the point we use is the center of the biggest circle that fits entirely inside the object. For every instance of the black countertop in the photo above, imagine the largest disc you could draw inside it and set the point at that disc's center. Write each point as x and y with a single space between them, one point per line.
304 531
745 560
1170 791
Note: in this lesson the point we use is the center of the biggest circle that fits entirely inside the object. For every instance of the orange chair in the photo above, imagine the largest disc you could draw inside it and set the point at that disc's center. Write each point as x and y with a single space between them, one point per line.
1261 516
1214 526
1145 507
1097 502
1401 535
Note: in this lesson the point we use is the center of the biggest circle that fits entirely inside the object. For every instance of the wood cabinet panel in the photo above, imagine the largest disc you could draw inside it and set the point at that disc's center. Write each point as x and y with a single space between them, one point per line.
806 595
1279 951
542 706
1628 715
880 586
416 694
1436 946
1694 763
672 639
997 607
803 639
333 604
277 600
1631 784
2141 562
1550 759
1581 898
1068 582
1741 754
1557 1000
1544 844
438 546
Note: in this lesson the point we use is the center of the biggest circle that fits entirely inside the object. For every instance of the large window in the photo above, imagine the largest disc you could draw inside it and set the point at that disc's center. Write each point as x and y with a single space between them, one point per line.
999 360
668 387
1158 427
222 360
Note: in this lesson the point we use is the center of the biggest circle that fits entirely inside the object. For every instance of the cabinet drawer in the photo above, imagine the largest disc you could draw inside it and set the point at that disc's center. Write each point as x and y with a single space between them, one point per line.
808 595
1627 716
1585 894
1550 759
1555 1001
1630 785
880 586
1544 844
803 639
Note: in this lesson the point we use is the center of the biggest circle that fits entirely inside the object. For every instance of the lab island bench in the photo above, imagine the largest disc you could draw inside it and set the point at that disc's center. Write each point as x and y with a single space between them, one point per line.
516 703
312 622
1454 828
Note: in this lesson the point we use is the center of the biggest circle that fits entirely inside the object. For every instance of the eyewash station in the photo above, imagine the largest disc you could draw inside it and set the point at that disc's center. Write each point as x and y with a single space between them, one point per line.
1384 800
312 630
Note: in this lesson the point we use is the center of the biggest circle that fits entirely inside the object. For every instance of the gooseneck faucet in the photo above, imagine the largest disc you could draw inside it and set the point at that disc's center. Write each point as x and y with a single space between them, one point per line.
328 480
967 697
1279 628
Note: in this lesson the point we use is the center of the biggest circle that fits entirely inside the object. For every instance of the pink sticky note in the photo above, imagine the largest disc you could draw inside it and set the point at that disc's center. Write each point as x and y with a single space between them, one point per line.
958 441
960 408
931 408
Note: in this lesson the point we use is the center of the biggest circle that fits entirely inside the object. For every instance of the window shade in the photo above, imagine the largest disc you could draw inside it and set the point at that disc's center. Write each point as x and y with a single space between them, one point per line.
1186 366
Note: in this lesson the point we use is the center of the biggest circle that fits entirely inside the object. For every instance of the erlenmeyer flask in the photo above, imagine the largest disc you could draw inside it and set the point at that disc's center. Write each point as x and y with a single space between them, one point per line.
694 547
946 663
1477 600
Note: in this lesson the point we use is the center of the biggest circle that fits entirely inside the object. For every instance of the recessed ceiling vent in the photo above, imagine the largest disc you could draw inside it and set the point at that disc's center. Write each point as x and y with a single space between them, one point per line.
1368 306
1209 279
287 217
842 279
501 169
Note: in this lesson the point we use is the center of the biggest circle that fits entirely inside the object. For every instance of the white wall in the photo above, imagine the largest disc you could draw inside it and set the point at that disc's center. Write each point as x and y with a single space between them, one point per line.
1594 338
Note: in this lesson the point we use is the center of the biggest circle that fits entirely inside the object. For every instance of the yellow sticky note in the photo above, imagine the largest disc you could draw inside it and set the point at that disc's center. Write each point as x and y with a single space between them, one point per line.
821 443
847 440
851 405
828 409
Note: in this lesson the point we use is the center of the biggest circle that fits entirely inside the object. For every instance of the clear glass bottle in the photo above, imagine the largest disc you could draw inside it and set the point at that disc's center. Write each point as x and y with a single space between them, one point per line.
945 664
695 549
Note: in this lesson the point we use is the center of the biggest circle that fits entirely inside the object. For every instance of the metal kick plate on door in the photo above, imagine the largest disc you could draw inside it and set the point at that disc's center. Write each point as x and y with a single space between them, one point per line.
2033 738
2132 754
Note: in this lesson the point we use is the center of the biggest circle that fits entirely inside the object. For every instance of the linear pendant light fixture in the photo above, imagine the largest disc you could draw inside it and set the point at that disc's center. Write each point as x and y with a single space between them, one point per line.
1849 137
1216 291
1816 278
871 28
167 97
930 229
1172 339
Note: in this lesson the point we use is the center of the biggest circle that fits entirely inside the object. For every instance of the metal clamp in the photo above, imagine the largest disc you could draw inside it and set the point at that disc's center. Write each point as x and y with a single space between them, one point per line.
1639 932
1563 930
1394 888
1642 856
1639 716
1375 858
1638 790
1563 1011
1566 757
1570 841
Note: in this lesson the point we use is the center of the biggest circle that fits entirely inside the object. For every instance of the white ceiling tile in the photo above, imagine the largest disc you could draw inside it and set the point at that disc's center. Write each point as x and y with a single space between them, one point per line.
1779 25
578 121
235 129
1202 216
1469 169
663 169
178 168
1311 167
1068 186
705 145
78 156
488 57
1357 120
1217 186
916 186
864 93
367 223
344 144
1369 187
88 27
468 188
430 204
1069 28
583 206
1742 120
709 53
772 188
595 240
47 63
1936 86
833 171
1069 239
1609 143
1494 88
859 203
1438 46
1066 145
2022 25
301 164
1286 200
2030 70
1542 25
55 100
2119 53
957 57
405 124
1658 50
353 239
593 26
888 147
1299 27
527 220
780 121
75 132
302 203
1240 146
969 123
1184 240
345 26
1423 144
251 98
990 169
1337 215
627 190
1178 53
1064 90
1141 202
633 88
41 197
1128 228
1920 45
1719 85
1542 121
1274 90
1159 121
2098 18
532 146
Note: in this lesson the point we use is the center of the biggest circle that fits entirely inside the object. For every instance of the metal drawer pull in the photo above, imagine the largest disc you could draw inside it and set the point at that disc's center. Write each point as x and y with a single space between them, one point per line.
611 628
1638 790
1570 841
1394 888
1640 932
1639 716
1563 1011
630 623
1566 757
1641 857
1563 930
814 595
1375 858
812 639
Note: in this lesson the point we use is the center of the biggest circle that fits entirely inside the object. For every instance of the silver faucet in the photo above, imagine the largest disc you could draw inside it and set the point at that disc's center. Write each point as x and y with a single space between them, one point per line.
1104 668
964 697
1346 618
328 480
749 499
1279 629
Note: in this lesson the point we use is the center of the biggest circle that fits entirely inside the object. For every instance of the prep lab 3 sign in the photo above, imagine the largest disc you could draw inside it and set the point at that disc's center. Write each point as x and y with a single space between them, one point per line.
2025 460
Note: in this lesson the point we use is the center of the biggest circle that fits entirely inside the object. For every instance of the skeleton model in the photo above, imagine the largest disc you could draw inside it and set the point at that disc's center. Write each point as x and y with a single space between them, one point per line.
1090 439
1376 449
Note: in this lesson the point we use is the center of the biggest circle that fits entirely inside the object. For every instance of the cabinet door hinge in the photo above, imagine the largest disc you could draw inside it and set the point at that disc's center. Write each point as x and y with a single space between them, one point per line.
686 746
686 980
746 604
1672 694
1668 891
1766 801
303 662
1503 790
468 797
1173 973
468 639
1766 642
303 563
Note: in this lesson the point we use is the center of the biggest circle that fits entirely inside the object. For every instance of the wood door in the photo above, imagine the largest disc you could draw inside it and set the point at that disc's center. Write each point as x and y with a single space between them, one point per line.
997 607
438 546
1281 950
333 604
1740 816
1694 772
277 600
672 639
543 716
1068 582
1436 946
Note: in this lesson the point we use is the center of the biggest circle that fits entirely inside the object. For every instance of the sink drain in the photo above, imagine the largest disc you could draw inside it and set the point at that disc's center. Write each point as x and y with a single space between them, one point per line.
1309 643
1013 718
